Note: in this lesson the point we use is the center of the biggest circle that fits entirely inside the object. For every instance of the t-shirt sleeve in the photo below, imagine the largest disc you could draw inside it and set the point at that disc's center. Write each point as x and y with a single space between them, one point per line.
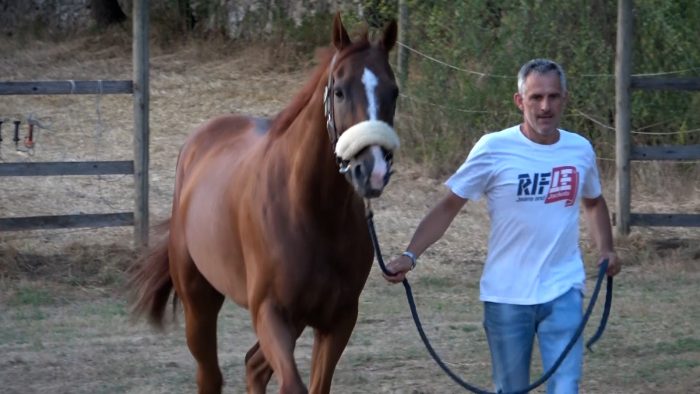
591 184
471 179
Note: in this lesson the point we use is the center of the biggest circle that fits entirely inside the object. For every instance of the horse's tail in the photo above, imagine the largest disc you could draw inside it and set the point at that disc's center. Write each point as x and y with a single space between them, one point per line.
150 282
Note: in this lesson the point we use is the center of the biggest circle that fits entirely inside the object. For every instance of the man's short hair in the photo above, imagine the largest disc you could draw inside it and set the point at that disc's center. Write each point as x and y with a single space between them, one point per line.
540 66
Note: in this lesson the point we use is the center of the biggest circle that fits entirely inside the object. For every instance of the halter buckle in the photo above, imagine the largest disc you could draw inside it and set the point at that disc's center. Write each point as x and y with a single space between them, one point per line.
344 166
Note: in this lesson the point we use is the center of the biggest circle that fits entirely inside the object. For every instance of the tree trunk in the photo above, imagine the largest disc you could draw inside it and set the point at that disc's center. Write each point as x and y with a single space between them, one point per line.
107 12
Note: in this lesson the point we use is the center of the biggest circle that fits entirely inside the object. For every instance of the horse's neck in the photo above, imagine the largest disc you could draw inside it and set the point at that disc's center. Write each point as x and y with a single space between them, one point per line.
313 172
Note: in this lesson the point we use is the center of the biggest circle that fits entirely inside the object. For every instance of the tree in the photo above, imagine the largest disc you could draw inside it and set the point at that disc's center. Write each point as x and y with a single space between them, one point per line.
107 12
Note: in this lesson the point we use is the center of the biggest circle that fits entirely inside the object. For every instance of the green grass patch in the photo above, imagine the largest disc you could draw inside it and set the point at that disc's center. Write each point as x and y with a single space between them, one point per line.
681 345
30 296
665 368
440 282
108 309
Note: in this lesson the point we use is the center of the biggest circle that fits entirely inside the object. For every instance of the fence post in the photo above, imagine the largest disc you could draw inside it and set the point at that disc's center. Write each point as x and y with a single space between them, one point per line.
141 124
401 52
623 63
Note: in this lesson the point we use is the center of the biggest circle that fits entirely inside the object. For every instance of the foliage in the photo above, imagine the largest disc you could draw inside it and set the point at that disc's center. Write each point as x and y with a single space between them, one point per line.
377 13
477 47
445 108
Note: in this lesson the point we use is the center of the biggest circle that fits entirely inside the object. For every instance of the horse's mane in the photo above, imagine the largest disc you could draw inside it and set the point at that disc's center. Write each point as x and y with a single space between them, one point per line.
284 118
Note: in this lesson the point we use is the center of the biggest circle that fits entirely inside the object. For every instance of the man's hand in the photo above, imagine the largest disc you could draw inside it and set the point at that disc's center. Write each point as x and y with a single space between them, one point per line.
399 267
614 263
430 229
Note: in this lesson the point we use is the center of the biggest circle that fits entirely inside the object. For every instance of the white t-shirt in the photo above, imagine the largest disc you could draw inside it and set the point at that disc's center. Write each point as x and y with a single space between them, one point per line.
533 193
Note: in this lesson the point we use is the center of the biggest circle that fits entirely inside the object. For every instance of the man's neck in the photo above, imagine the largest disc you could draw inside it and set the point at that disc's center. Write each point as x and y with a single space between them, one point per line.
538 138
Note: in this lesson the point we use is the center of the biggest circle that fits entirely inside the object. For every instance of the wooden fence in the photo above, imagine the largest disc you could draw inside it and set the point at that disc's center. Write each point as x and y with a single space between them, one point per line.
625 153
139 88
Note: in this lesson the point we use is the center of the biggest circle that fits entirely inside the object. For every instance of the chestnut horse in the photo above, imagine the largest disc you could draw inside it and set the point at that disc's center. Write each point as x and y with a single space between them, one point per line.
261 214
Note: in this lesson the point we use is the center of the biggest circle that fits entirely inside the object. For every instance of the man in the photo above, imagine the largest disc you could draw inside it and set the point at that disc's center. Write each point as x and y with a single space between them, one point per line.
535 176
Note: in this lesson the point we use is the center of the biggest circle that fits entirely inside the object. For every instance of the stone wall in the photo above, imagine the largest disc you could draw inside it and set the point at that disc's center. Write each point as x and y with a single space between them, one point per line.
43 15
67 16
243 17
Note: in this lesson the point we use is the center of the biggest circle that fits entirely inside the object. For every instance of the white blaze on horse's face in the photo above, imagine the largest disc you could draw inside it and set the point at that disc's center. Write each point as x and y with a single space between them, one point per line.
381 168
370 81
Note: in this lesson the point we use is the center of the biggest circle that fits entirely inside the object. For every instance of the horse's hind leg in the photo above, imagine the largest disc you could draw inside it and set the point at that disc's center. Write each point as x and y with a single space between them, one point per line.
200 320
258 370
201 304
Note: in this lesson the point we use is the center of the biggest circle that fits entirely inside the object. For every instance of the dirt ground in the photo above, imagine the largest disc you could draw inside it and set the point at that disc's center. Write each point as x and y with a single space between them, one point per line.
64 325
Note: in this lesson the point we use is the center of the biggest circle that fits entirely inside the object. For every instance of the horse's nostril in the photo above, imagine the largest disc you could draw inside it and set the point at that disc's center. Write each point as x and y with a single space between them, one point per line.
373 193
358 171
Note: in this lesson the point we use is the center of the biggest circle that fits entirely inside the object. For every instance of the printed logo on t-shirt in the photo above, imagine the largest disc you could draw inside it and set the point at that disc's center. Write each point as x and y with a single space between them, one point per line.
560 184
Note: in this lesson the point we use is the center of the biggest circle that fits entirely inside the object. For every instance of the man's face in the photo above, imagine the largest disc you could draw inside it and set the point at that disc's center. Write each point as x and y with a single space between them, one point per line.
542 103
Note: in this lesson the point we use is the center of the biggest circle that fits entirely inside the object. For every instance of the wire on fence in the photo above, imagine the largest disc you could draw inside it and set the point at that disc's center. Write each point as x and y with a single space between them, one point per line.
637 131
454 67
589 117
482 74
419 101
579 112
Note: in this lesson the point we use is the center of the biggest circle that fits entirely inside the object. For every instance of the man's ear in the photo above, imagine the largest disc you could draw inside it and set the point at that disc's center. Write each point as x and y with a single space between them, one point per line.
518 100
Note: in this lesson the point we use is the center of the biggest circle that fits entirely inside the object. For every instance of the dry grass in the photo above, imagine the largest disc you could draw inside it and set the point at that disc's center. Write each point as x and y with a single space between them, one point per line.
65 327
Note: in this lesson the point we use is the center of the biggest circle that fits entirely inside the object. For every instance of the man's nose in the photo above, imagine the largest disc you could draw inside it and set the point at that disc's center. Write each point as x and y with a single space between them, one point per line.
546 105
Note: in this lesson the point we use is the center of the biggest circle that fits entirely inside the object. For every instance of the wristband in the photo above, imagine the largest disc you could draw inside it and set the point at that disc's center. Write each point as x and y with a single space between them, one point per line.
411 256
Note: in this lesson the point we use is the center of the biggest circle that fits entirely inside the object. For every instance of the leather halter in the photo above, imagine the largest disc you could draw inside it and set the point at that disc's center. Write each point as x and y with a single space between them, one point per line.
328 111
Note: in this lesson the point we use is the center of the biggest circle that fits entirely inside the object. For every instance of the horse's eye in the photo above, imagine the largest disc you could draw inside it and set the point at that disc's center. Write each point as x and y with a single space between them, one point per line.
388 156
338 93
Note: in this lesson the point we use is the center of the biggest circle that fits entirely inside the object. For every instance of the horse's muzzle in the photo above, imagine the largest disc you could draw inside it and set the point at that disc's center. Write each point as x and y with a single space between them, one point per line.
367 148
369 172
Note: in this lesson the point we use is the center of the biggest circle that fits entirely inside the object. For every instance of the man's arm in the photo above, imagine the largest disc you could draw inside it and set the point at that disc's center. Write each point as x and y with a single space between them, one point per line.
600 229
429 231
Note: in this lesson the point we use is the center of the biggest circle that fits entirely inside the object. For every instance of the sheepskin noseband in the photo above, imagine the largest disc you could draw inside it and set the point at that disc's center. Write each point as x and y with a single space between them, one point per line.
364 134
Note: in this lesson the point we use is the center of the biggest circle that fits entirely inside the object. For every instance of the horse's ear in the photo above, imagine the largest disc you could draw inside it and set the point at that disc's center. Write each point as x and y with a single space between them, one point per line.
390 35
341 39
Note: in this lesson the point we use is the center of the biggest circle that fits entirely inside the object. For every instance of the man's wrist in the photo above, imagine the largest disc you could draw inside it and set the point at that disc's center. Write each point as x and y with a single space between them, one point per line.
411 256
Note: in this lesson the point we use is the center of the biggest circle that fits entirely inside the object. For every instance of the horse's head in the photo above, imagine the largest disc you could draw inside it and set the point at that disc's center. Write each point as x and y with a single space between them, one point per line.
360 102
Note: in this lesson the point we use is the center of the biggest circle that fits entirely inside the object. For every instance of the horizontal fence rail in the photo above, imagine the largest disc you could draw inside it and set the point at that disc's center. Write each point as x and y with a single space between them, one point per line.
661 219
664 83
675 152
65 87
67 221
67 168
665 219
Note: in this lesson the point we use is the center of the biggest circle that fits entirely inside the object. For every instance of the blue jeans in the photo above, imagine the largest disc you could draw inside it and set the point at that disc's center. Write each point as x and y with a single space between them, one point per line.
510 330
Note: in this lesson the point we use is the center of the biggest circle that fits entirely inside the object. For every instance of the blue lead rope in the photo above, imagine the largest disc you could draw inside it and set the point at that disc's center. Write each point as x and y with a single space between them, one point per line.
414 312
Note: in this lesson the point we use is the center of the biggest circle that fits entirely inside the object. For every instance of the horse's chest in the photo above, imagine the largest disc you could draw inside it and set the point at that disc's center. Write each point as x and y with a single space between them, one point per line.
324 293
321 301
321 269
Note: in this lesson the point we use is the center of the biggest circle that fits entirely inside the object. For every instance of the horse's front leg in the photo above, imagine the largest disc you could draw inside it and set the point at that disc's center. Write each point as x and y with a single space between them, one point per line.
328 347
277 337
